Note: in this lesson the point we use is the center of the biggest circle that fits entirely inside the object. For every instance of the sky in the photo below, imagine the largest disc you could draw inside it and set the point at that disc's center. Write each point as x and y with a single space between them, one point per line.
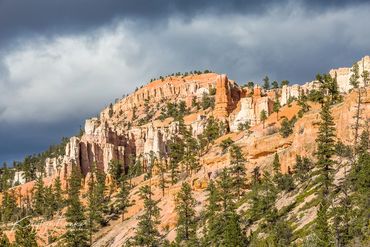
63 61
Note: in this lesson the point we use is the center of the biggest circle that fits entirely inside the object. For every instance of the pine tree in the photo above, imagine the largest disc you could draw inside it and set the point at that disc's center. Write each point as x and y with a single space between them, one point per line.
359 180
58 194
147 233
123 201
322 229
25 235
326 148
276 107
115 170
232 235
302 168
262 197
256 175
176 146
49 205
237 161
284 83
186 223
77 232
212 130
9 206
329 87
263 117
266 83
276 164
190 159
286 128
4 241
96 203
212 230
325 151
162 175
275 85
39 196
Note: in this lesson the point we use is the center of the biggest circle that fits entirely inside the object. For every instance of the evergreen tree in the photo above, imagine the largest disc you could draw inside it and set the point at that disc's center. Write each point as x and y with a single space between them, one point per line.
96 203
282 233
286 128
225 144
238 170
39 196
263 117
147 233
25 235
213 229
232 235
276 107
77 232
115 170
190 158
276 164
365 77
322 229
4 241
162 175
49 205
325 151
266 83
275 85
284 83
359 180
9 206
58 194
326 148
186 223
256 175
302 168
212 130
329 86
176 154
262 197
123 201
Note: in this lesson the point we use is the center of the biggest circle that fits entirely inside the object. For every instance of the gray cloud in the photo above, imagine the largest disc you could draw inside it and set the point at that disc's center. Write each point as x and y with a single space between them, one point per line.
50 82
28 17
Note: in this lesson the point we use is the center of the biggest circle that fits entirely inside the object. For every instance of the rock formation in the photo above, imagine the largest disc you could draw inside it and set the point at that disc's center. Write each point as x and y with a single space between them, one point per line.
343 74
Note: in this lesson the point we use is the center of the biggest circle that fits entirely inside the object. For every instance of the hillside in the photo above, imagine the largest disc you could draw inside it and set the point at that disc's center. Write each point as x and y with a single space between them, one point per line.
207 118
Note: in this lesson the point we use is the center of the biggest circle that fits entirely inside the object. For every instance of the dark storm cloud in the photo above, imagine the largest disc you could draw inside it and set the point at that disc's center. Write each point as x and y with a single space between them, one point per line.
28 17
18 140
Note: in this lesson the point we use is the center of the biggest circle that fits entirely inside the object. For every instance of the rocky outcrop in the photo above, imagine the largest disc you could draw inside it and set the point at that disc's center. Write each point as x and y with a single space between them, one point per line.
288 92
227 97
250 110
344 74
223 97
106 138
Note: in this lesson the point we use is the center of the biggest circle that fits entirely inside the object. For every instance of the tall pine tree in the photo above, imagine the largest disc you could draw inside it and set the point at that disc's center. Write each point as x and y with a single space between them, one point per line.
325 152
123 201
238 170
147 233
186 223
25 234
77 232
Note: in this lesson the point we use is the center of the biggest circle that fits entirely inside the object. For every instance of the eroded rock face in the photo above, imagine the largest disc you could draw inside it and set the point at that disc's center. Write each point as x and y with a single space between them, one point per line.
343 74
250 110
288 92
223 97
106 138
